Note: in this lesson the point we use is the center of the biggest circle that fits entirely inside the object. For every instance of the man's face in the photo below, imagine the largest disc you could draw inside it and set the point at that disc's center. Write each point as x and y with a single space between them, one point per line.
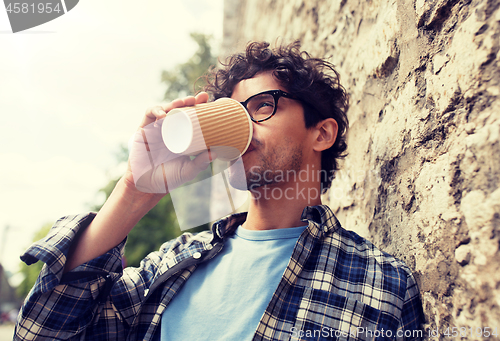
281 145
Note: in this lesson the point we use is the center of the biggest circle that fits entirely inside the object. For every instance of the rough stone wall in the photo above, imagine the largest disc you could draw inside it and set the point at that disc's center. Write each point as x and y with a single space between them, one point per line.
421 179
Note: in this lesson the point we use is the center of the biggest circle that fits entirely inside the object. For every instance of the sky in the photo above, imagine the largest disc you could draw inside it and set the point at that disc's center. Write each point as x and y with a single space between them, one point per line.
72 91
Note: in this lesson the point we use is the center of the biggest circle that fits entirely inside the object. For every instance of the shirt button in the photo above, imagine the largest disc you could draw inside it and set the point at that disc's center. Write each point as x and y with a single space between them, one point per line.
325 229
196 255
210 247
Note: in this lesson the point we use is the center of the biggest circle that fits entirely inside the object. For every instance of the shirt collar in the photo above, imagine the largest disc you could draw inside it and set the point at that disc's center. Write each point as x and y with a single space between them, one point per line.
321 216
228 224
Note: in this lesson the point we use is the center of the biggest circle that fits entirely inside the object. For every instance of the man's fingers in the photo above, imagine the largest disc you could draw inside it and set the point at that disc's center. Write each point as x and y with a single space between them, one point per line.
189 101
202 97
152 115
157 112
180 103
176 103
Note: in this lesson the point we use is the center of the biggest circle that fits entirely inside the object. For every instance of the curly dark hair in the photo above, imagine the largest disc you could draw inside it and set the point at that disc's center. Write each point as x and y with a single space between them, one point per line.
314 81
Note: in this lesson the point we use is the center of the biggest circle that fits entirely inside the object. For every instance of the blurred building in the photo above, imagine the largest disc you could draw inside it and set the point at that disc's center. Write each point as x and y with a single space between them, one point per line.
8 298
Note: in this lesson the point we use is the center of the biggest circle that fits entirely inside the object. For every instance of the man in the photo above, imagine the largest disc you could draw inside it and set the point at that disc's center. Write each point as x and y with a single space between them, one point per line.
286 270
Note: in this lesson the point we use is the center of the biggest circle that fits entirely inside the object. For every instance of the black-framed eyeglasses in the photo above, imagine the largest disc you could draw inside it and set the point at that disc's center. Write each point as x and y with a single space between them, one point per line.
263 105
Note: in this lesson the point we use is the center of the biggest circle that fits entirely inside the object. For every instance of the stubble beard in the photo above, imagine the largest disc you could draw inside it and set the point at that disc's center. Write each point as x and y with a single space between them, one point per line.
269 169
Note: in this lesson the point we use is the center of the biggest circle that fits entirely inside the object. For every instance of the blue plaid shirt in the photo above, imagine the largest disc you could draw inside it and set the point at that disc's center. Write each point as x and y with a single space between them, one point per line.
337 286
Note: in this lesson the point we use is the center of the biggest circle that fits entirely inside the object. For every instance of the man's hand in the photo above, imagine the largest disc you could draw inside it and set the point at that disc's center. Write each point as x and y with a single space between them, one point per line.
152 167
142 186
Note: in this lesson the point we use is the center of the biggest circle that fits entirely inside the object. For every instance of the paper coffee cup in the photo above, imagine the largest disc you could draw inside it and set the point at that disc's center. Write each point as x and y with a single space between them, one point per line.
223 126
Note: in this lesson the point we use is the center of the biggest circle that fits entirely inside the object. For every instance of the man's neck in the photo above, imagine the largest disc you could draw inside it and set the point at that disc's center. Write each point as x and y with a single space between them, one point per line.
276 207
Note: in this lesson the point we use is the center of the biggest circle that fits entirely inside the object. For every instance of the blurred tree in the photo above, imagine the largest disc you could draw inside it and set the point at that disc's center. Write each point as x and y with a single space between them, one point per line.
183 80
31 272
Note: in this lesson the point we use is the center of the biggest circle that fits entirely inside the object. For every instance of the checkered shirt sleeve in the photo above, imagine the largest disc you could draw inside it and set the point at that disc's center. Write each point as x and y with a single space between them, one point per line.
59 307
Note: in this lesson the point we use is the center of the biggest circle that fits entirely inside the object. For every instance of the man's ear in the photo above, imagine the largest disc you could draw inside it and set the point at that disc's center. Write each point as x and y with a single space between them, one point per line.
326 134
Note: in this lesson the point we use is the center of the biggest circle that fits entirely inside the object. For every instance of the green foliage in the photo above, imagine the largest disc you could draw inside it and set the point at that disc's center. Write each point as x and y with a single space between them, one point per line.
31 272
184 79
155 228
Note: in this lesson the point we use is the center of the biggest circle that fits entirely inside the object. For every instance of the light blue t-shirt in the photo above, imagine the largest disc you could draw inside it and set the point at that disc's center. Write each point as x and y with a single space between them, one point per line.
225 298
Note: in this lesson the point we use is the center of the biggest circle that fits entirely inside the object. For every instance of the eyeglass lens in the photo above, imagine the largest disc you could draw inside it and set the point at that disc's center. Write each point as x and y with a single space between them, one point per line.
261 106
